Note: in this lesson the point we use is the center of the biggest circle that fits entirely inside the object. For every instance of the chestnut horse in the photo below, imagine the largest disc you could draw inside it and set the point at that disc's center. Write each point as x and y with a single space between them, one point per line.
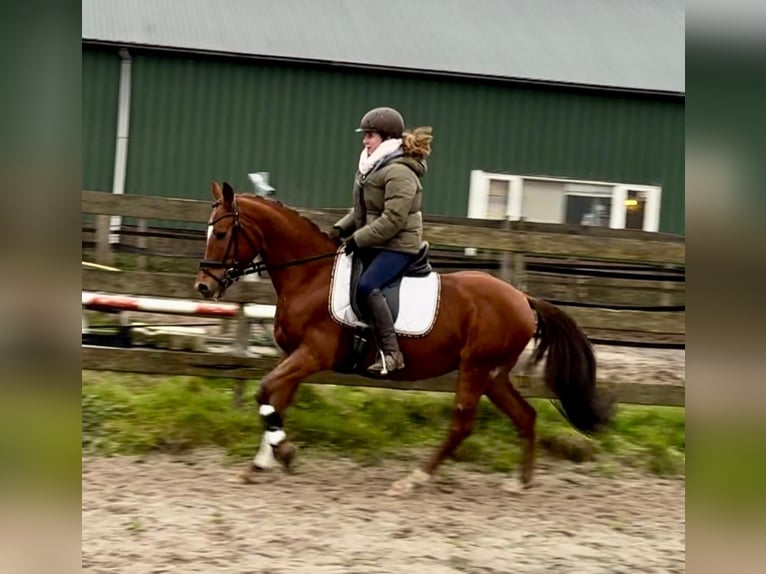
483 325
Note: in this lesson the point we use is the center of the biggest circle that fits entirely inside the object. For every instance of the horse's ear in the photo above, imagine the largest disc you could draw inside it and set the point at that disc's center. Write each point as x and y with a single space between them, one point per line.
228 193
215 189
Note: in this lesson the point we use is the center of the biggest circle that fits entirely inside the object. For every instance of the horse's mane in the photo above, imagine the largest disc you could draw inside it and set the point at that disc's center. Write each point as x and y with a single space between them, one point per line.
286 210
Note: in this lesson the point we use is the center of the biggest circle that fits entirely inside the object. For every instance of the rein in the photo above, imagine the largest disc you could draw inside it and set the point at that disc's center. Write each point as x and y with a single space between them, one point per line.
233 271
259 266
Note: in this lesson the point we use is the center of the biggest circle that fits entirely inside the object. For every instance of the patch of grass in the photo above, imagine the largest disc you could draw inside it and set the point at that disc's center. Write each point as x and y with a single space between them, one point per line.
125 413
652 438
135 525
217 519
174 414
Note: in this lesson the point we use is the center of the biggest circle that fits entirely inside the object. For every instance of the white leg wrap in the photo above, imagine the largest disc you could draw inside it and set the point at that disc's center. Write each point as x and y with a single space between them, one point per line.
275 437
265 410
264 458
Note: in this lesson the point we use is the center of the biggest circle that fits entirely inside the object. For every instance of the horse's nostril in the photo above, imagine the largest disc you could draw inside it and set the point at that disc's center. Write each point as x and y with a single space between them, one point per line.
202 288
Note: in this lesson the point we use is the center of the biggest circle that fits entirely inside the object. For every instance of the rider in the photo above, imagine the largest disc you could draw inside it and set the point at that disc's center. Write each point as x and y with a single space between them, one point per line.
385 222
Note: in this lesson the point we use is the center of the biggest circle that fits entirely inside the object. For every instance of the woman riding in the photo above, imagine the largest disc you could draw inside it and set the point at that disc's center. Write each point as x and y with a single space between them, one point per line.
385 224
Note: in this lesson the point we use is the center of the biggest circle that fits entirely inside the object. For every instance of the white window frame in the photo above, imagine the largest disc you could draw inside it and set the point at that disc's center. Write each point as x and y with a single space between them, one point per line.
478 196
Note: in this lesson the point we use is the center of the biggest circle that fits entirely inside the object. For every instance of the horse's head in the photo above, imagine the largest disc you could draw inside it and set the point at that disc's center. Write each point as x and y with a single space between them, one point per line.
229 248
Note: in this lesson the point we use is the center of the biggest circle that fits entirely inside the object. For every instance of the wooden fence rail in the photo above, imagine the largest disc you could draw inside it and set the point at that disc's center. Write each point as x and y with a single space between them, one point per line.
519 239
520 242
606 283
214 365
522 238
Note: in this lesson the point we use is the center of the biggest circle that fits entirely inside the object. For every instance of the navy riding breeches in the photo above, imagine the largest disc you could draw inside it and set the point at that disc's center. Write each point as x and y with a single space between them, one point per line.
384 268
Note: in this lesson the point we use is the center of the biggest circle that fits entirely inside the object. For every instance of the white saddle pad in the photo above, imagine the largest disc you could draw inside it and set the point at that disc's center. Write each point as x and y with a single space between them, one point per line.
418 300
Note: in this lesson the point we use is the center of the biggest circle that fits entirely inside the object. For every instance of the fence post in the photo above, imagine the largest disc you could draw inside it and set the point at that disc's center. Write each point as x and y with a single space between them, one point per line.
142 229
506 258
667 295
519 271
241 343
512 263
103 248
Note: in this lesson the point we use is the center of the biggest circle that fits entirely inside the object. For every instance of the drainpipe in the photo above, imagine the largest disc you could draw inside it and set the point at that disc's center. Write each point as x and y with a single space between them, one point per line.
121 149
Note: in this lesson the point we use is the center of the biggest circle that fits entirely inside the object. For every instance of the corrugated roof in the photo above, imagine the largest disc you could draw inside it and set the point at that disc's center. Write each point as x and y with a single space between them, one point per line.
627 44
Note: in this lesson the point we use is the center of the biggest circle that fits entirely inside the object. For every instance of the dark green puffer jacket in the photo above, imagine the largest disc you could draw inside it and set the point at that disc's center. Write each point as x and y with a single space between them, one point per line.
387 203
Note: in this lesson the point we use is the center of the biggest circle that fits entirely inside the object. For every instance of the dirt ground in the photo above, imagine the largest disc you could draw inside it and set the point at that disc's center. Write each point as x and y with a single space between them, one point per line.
191 514
630 364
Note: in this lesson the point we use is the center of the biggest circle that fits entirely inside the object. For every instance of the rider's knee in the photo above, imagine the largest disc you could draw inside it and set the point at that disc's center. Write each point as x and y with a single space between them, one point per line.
365 288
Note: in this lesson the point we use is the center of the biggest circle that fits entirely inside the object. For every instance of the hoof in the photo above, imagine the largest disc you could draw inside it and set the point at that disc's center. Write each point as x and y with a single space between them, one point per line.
517 487
408 484
400 488
250 474
285 453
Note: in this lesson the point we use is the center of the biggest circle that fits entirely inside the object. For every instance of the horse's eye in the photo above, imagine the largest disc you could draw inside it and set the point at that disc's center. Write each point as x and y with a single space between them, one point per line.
220 234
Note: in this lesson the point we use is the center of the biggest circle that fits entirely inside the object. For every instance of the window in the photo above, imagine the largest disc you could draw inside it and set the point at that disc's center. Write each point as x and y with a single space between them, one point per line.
587 210
556 200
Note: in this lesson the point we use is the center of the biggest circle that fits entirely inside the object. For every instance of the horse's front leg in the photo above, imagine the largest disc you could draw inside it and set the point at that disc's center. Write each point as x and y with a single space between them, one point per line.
275 393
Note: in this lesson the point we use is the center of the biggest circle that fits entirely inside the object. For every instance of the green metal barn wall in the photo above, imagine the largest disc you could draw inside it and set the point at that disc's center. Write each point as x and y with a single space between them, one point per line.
194 120
100 86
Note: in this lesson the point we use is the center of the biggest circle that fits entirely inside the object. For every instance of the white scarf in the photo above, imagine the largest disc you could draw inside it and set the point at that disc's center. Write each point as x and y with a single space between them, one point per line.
387 147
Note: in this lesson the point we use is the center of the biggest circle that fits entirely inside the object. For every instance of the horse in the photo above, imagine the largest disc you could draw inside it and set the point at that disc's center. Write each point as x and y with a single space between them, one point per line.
480 329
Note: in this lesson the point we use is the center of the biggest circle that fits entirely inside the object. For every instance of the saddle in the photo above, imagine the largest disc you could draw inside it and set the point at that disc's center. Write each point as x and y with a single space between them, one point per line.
419 267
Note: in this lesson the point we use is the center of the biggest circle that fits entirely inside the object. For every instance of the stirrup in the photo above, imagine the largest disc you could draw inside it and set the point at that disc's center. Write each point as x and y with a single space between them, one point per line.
382 367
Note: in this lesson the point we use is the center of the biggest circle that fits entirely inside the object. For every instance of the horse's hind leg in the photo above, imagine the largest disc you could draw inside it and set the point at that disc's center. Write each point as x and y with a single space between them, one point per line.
505 397
471 385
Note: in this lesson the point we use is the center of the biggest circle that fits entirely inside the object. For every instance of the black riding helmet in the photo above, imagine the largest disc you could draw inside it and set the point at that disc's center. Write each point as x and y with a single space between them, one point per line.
387 121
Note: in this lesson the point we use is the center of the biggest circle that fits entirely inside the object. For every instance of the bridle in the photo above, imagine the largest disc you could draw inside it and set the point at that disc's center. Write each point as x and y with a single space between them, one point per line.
234 268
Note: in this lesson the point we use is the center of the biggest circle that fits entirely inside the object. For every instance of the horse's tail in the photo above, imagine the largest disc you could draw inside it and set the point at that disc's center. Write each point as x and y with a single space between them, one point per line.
570 368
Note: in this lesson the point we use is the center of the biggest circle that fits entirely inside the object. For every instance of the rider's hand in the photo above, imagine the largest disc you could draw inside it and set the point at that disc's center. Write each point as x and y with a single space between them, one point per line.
350 246
335 233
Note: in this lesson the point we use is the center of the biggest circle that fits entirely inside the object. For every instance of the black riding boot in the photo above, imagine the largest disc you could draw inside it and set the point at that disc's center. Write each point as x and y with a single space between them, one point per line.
383 324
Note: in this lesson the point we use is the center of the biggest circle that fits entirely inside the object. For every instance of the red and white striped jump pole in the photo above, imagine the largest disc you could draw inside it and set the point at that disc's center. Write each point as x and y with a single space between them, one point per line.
108 302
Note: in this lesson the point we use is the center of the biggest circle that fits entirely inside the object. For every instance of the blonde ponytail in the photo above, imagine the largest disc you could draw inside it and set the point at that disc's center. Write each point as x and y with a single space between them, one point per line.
417 143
